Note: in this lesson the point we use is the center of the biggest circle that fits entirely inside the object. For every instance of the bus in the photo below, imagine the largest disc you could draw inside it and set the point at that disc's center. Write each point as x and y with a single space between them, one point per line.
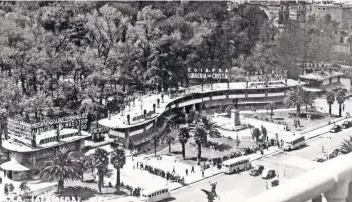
153 195
236 164
294 142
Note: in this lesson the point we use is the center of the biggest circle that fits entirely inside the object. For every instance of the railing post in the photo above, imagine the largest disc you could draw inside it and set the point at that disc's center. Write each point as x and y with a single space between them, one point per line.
339 193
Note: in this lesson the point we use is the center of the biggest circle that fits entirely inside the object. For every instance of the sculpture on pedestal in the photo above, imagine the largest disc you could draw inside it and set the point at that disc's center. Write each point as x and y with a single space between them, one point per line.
211 195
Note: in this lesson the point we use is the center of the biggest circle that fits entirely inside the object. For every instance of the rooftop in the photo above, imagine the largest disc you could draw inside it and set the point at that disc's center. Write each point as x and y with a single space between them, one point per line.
146 102
14 145
321 75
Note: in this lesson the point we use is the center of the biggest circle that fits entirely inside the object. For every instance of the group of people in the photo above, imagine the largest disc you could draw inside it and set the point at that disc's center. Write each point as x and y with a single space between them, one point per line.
172 176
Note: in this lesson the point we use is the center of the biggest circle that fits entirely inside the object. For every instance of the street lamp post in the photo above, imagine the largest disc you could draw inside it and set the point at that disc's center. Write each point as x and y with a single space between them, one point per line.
308 117
212 158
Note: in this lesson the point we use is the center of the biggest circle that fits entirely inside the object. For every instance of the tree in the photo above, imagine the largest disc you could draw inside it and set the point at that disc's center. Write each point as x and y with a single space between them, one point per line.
118 160
156 138
340 97
271 106
238 141
62 166
101 161
24 187
298 97
200 137
330 99
170 140
256 134
183 137
346 146
84 163
264 133
210 126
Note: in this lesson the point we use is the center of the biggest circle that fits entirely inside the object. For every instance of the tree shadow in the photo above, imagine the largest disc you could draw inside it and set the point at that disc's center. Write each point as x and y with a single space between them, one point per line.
84 193
168 199
224 147
176 152
195 159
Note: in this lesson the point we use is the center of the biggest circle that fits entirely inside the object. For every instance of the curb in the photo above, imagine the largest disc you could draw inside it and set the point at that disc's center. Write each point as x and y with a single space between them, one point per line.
196 181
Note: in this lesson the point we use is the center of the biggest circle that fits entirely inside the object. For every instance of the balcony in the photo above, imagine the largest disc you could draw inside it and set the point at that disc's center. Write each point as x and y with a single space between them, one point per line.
332 180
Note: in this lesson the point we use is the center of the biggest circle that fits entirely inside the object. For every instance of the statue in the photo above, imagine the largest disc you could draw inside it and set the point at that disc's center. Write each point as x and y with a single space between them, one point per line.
211 196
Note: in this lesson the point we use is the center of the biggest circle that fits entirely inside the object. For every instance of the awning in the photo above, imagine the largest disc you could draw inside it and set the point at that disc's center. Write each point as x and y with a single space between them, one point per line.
334 86
13 165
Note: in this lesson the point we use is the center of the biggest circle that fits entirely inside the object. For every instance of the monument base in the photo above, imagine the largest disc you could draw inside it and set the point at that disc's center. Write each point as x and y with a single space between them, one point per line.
235 117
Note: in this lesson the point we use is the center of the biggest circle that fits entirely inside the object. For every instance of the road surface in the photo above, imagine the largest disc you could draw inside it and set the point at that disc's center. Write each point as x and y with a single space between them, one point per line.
243 186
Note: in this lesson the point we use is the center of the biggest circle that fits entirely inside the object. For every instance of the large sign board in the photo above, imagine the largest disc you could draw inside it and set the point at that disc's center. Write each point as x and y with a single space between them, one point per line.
204 73
26 132
271 75
65 122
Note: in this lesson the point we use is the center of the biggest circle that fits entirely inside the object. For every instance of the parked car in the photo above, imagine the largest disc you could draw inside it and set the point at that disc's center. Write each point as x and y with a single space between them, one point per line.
347 124
275 183
257 170
268 173
321 158
336 128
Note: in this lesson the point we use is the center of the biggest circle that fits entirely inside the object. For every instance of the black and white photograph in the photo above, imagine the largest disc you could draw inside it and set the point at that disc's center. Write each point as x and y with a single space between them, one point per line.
176 101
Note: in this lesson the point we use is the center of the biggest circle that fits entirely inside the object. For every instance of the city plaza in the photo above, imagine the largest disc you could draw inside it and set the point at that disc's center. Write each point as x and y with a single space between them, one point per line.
153 154
22 149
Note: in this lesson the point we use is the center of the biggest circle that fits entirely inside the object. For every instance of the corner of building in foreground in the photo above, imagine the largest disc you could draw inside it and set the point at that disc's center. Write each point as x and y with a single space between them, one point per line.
332 180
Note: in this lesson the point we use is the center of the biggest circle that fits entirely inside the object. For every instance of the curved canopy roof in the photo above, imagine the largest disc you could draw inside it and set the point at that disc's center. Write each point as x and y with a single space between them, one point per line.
13 165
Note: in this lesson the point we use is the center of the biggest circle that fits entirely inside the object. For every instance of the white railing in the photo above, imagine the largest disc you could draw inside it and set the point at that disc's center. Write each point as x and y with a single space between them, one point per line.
332 179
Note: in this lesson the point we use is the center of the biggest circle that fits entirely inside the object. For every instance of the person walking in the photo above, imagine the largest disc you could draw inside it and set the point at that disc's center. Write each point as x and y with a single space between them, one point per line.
322 149
192 170
202 173
267 185
186 172
173 170
137 164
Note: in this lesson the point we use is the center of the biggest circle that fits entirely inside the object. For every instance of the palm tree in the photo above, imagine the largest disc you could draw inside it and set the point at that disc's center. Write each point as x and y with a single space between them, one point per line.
200 136
170 140
264 133
340 97
183 136
118 160
85 163
298 97
101 161
24 187
156 138
62 166
330 99
271 106
346 146
210 126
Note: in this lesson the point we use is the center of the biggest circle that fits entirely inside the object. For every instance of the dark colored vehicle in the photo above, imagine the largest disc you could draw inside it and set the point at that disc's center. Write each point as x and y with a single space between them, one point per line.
257 170
275 183
268 174
336 128
347 124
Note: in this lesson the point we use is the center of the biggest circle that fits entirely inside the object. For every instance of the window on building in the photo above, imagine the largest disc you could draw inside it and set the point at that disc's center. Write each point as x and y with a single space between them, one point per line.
341 39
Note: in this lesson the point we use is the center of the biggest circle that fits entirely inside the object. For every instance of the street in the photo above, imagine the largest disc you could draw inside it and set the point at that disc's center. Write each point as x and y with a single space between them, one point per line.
244 186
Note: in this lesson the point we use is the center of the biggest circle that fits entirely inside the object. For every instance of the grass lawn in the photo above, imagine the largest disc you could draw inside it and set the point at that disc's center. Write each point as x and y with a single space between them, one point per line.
288 116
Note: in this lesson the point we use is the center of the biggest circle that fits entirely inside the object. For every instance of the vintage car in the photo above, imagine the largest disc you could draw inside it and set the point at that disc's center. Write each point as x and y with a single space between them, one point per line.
347 124
257 170
335 129
268 174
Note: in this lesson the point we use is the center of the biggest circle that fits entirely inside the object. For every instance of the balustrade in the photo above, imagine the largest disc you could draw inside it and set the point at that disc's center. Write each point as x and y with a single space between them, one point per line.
332 179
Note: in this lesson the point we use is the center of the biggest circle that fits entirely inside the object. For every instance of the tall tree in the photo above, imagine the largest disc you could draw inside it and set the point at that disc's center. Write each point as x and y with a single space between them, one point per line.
330 99
298 97
200 136
340 97
101 161
118 160
183 137
62 166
